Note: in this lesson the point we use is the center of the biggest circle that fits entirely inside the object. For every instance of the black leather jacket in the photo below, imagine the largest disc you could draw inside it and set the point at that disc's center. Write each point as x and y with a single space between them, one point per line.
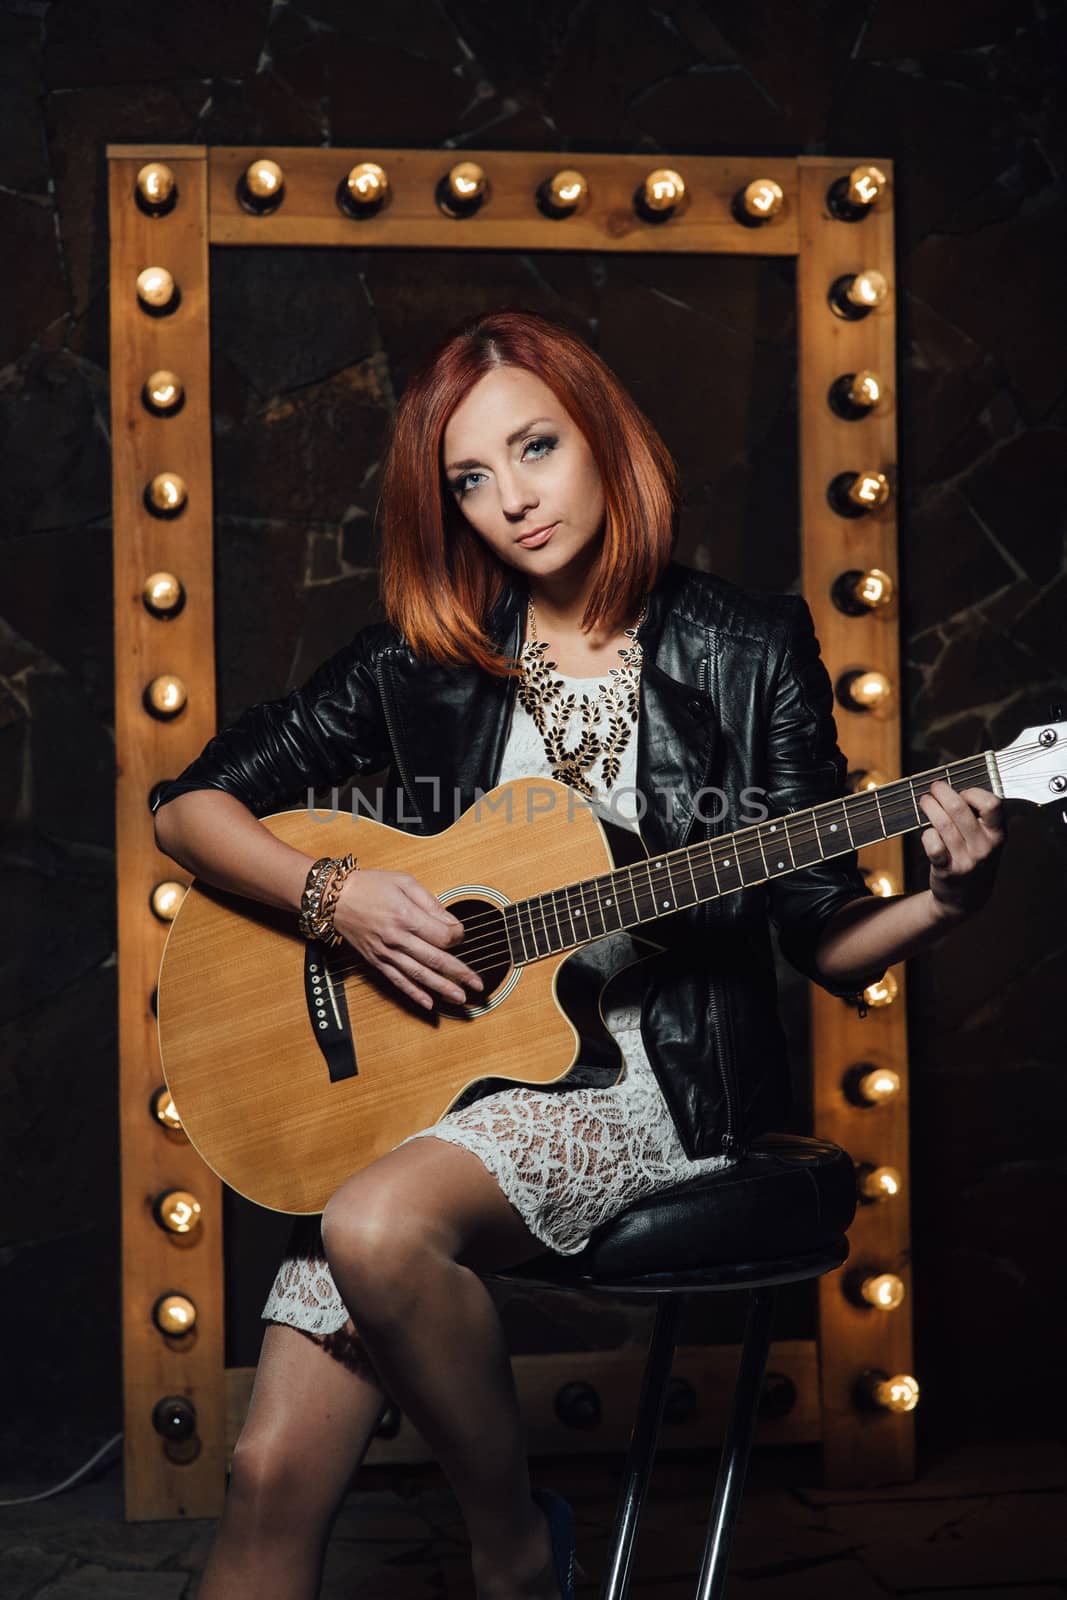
734 697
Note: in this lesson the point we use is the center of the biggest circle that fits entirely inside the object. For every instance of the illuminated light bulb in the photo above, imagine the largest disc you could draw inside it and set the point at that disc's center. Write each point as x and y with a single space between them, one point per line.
865 690
851 198
856 294
878 1086
174 1315
882 993
878 1183
882 883
163 594
564 194
898 1394
858 594
262 186
365 190
857 494
163 393
463 189
663 194
177 1211
166 495
156 290
854 395
156 189
757 202
165 899
165 1111
166 695
866 781
884 1291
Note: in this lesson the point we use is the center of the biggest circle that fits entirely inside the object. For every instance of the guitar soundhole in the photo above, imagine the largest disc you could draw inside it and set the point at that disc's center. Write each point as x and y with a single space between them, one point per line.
484 946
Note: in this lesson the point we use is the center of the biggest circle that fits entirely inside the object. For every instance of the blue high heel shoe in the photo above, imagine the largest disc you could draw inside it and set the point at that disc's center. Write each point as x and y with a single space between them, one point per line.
561 1530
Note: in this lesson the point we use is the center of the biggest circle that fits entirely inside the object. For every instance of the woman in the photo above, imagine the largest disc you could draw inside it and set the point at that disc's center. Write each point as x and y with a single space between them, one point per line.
529 513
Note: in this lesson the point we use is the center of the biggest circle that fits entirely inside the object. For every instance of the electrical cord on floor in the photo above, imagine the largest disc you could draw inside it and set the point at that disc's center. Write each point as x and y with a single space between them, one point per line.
46 1494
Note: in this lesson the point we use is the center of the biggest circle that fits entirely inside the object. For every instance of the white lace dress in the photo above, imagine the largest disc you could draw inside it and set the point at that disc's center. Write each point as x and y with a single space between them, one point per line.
566 1161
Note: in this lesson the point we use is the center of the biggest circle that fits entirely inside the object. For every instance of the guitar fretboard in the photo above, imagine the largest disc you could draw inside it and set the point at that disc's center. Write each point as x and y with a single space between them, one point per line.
564 918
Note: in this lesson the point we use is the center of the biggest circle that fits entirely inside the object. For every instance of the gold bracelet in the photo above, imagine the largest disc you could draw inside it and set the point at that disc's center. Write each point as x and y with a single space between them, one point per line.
323 928
317 879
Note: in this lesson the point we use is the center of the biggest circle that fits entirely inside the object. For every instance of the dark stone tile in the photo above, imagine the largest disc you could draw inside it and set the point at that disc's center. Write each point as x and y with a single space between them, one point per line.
257 110
491 33
72 763
280 340
948 381
1018 492
335 612
950 565
149 41
259 612
608 57
58 472
930 30
1040 628
1025 259
56 586
31 277
979 667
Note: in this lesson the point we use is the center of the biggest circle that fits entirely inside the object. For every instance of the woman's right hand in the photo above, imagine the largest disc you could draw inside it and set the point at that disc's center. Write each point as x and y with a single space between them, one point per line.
402 930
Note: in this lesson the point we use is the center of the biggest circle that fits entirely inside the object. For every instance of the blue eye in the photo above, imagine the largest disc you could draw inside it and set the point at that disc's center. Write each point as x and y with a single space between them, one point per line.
545 443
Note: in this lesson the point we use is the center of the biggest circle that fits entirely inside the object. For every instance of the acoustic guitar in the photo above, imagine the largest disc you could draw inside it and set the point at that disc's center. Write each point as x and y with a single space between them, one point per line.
293 1066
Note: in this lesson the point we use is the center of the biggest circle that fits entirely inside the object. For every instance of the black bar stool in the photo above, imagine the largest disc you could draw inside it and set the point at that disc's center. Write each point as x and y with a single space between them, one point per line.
777 1216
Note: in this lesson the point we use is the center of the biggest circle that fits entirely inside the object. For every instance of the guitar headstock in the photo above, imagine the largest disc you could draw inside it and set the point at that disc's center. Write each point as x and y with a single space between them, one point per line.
1034 766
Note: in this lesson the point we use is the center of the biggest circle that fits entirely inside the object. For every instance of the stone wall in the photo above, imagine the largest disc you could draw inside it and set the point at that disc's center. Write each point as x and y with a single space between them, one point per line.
310 350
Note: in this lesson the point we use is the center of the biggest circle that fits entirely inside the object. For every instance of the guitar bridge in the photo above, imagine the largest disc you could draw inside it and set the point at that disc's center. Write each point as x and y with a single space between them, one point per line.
328 1013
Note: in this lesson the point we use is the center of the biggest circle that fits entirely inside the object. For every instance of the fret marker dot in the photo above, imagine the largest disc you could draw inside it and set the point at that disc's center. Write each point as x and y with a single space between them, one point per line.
833 827
773 827
726 863
665 902
781 864
607 902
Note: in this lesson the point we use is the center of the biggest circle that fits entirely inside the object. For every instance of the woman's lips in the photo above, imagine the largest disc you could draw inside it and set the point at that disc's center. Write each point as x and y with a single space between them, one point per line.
533 540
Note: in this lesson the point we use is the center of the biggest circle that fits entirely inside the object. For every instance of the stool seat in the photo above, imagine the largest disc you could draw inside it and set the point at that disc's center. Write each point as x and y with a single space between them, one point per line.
777 1214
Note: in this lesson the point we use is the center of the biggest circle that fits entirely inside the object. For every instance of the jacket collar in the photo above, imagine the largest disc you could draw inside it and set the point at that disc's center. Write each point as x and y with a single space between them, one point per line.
455 720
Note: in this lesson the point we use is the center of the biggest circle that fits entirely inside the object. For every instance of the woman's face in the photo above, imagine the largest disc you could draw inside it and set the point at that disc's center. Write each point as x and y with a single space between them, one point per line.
515 462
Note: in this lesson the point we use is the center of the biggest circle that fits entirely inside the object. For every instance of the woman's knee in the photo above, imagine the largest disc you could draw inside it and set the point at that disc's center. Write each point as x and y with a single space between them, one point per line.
271 1490
380 1253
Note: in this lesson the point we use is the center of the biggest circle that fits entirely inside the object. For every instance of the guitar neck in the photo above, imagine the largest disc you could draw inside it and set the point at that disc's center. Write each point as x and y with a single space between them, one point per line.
564 918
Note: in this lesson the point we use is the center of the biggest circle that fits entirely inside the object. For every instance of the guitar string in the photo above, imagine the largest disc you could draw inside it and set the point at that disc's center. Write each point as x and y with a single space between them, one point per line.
492 920
499 950
661 877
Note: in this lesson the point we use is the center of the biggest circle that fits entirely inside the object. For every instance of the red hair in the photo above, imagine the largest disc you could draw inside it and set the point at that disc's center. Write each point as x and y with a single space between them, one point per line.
439 577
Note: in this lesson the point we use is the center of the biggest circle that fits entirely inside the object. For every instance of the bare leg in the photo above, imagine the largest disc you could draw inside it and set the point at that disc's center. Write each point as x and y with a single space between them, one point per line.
403 1238
308 1426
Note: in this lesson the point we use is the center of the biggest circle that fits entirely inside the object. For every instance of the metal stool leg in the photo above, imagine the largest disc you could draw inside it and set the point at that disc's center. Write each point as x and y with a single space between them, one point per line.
736 1446
643 1444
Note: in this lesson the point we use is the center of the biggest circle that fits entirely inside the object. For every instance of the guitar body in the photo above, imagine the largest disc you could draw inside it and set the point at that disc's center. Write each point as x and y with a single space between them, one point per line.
293 1067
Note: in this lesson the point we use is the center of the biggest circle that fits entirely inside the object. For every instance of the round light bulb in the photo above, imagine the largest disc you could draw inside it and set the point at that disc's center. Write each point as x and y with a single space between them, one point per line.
874 588
174 1315
883 884
157 187
878 1183
163 594
865 185
882 993
865 389
885 1291
866 781
367 185
467 182
165 899
166 495
763 198
264 181
869 490
663 190
896 1394
879 1086
867 289
177 1211
868 691
163 393
166 695
156 288
165 1111
567 190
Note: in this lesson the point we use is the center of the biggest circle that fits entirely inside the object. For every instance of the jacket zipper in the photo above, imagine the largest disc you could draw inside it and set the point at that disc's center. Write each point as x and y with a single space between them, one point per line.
730 1141
394 741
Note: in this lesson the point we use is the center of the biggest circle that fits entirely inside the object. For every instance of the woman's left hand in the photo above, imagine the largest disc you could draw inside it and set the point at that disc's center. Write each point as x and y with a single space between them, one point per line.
963 846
